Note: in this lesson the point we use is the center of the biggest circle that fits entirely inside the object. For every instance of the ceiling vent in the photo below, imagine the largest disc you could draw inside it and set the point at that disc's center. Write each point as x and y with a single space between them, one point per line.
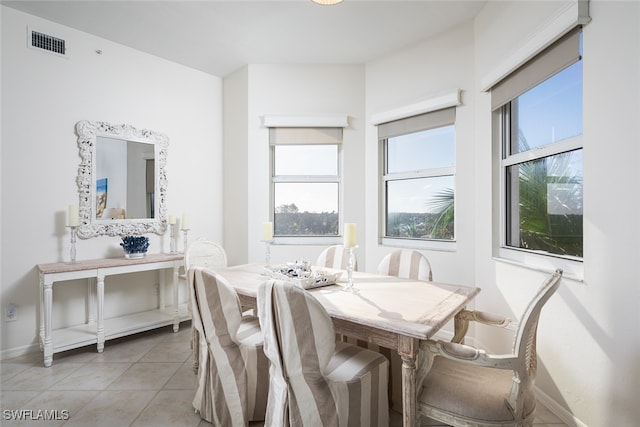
49 43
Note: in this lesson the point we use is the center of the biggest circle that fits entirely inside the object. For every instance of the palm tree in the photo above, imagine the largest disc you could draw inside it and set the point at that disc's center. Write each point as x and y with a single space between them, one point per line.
538 229
443 203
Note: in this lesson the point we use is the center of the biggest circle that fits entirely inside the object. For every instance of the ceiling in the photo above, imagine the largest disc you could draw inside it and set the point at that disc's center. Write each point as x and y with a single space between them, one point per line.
219 37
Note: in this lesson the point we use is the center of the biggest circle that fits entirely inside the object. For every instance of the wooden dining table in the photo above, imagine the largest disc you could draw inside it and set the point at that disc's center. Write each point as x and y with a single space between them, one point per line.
389 311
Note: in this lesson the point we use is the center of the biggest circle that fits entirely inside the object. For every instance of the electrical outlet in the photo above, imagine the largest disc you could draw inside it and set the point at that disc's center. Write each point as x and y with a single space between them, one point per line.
11 315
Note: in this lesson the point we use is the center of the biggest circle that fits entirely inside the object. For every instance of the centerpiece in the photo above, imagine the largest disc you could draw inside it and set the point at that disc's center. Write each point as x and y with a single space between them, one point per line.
302 274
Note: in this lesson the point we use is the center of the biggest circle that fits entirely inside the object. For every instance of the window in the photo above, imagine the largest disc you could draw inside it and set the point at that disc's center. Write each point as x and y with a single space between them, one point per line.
418 172
540 126
306 181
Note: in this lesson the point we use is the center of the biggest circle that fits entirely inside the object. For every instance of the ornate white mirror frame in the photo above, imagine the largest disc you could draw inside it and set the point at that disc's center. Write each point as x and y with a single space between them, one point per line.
88 133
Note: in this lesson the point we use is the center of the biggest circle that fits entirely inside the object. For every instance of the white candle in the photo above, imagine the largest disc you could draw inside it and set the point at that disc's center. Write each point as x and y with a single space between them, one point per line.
267 231
73 220
349 235
185 221
172 219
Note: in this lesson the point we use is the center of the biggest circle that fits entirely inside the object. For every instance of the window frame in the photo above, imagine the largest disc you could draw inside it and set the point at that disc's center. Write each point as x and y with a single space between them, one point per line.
502 133
311 179
385 177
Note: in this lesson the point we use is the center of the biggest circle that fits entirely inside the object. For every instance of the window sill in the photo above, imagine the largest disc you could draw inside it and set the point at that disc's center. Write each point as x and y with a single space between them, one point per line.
573 269
308 240
435 245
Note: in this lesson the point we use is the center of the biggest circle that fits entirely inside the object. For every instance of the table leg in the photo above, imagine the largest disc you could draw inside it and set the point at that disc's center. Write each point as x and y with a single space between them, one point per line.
100 330
47 303
408 350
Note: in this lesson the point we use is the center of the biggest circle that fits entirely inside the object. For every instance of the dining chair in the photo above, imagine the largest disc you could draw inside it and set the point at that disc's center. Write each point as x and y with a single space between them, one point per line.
465 386
316 381
208 254
335 257
406 263
205 253
233 375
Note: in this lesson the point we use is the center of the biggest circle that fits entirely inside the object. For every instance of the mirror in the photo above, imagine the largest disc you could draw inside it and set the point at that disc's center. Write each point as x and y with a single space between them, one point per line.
121 180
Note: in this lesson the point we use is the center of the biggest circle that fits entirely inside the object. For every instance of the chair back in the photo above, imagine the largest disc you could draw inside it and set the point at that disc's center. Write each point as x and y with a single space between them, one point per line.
205 253
299 342
228 391
524 346
335 257
406 263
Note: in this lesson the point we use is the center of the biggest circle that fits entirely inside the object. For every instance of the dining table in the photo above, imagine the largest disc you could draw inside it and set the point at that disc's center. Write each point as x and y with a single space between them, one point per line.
392 312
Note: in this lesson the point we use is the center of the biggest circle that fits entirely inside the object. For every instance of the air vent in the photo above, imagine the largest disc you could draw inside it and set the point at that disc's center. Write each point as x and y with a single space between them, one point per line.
48 43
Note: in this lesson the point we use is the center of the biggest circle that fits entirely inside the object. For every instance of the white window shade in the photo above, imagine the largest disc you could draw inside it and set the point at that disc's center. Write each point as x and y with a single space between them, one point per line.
305 136
418 123
303 121
560 55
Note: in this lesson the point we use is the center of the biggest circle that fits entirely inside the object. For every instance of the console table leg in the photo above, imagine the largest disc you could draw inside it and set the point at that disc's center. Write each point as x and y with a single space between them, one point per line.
100 330
48 302
176 314
41 310
91 293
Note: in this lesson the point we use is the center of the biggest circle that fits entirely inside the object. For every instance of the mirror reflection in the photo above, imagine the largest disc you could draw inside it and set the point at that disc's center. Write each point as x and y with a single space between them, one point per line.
125 179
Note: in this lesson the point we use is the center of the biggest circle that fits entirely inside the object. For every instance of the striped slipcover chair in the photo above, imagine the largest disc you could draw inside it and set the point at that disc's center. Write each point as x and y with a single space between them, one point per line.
208 254
335 257
233 373
316 382
408 264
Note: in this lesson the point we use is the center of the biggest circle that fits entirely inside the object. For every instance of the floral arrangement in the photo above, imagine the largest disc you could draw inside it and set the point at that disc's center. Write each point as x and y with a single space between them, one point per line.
135 244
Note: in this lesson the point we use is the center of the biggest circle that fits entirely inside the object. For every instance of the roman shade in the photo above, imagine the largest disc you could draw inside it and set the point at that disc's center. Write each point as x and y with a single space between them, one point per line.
305 136
425 121
558 56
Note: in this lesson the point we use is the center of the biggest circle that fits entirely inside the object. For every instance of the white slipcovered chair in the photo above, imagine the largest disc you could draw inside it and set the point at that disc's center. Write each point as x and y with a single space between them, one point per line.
335 257
464 386
406 263
207 254
233 374
316 382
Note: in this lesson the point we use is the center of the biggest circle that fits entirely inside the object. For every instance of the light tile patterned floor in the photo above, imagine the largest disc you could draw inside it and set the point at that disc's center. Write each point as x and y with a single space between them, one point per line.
143 380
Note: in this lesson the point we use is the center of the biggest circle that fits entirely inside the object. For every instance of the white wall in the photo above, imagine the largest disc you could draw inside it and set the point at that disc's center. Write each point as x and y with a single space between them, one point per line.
290 90
412 75
43 96
589 345
236 175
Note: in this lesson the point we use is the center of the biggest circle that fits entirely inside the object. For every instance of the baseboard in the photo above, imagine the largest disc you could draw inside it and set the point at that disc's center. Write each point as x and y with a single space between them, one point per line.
19 351
565 416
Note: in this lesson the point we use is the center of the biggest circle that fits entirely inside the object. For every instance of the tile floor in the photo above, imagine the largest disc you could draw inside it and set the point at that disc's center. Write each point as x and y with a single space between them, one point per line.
142 380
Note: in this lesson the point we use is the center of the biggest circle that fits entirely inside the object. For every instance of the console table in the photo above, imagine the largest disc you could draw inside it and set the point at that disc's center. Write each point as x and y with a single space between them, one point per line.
96 330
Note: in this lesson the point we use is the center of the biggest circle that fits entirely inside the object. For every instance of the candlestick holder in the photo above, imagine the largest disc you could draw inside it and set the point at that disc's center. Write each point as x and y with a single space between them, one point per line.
267 252
185 232
350 265
172 239
72 251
